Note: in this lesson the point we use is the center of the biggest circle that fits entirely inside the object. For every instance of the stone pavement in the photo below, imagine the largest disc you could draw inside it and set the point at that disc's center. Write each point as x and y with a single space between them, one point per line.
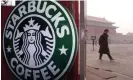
119 69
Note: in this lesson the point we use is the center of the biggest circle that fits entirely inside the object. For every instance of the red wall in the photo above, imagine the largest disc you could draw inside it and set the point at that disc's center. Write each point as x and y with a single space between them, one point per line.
5 11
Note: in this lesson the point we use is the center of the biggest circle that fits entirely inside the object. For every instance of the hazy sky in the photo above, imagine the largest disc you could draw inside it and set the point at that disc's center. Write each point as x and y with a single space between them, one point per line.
118 11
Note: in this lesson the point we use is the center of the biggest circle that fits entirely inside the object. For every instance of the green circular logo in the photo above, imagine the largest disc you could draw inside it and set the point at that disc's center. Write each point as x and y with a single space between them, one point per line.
40 40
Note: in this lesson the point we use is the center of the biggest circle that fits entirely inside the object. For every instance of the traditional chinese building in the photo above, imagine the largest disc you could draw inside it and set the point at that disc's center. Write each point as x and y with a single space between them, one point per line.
95 27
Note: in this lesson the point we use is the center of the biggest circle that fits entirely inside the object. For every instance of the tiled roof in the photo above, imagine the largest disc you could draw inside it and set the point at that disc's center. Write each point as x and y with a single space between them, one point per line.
92 18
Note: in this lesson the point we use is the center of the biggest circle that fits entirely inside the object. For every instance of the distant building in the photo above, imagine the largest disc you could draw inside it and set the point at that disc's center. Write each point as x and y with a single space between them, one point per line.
95 27
129 34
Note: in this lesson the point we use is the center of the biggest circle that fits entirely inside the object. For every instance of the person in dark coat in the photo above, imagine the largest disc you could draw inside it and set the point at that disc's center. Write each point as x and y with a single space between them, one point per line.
103 43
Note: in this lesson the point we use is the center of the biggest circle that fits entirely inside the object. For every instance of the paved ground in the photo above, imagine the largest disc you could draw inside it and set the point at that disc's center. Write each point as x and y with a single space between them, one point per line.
120 69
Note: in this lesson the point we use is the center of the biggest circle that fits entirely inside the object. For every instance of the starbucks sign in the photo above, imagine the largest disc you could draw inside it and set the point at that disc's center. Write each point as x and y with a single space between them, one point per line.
40 40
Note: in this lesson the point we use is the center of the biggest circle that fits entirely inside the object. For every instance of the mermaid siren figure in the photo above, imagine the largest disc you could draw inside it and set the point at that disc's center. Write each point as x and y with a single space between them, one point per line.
32 47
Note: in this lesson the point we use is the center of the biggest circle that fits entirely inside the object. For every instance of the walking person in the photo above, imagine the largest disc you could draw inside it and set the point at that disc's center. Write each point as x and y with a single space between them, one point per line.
103 43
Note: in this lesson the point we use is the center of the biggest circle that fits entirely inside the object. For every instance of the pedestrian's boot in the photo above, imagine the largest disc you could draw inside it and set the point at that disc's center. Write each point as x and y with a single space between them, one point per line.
112 59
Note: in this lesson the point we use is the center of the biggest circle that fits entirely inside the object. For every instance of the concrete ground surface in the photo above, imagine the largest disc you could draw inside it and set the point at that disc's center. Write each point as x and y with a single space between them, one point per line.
119 69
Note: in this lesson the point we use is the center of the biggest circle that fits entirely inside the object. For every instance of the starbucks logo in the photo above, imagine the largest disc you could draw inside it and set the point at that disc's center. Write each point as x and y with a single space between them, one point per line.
34 45
40 40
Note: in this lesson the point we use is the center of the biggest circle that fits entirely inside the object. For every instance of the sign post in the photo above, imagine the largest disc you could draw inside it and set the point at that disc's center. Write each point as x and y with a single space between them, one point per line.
93 38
